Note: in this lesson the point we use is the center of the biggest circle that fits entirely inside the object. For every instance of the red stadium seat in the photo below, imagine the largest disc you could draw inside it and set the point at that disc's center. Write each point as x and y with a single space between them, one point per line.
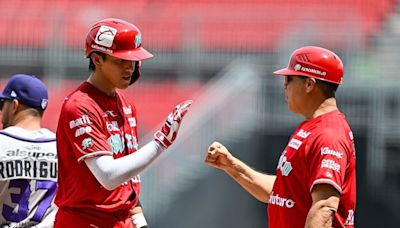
226 25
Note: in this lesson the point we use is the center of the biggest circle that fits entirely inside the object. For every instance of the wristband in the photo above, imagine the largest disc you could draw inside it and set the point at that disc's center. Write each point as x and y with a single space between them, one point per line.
139 220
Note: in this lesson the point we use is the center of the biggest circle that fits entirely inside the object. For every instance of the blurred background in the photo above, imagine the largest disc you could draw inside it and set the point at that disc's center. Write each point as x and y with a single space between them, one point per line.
222 55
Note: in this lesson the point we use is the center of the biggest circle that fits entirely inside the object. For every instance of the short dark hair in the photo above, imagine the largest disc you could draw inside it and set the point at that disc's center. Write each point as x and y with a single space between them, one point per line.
36 112
328 88
92 67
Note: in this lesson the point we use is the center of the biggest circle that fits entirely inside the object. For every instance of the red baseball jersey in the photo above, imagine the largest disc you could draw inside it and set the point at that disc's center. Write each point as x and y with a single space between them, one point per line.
94 124
321 151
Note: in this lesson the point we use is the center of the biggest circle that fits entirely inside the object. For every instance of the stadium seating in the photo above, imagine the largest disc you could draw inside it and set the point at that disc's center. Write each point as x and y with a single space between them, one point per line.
173 25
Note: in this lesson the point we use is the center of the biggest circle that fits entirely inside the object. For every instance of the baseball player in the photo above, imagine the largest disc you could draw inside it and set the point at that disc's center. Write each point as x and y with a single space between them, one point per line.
99 156
315 181
28 157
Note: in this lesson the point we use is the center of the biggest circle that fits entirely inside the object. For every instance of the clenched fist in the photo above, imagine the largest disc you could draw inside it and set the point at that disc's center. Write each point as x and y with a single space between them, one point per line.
167 135
218 156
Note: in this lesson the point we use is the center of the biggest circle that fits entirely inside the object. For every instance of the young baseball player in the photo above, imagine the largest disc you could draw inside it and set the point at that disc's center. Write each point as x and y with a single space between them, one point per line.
28 157
315 181
99 156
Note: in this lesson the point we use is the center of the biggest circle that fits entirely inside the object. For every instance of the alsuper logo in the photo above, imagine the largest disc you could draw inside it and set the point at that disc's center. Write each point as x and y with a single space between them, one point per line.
280 201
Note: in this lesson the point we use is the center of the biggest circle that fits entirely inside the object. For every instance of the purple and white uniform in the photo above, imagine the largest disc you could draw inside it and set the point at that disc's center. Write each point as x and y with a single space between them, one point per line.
28 177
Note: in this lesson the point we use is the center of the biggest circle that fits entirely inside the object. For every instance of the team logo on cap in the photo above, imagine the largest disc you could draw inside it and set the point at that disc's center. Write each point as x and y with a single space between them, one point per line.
13 94
138 40
105 36
44 103
297 67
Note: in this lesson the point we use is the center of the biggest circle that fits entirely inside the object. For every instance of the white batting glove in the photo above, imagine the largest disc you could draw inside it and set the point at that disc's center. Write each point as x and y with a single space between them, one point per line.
167 135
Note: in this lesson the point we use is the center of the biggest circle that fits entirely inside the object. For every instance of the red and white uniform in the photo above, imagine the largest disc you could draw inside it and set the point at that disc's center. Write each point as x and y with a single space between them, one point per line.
94 124
321 151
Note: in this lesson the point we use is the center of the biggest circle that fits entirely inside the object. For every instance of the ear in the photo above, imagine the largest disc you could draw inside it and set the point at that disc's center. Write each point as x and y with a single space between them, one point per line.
15 105
96 59
310 84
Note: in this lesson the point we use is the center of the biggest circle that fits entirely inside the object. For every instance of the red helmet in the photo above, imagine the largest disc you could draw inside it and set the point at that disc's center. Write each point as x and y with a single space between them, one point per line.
315 62
117 38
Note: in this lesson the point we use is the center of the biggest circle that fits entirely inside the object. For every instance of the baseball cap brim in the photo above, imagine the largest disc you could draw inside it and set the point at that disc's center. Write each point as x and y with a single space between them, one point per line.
4 96
286 71
134 55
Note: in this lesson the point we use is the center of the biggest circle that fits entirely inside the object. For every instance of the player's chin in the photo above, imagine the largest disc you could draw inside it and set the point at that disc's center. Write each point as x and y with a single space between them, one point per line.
124 83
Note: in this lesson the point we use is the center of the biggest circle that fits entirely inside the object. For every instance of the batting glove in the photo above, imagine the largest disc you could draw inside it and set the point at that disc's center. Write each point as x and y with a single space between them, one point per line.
167 135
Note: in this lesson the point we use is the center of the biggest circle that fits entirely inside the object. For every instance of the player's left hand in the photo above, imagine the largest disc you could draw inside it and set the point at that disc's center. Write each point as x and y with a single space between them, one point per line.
167 135
138 218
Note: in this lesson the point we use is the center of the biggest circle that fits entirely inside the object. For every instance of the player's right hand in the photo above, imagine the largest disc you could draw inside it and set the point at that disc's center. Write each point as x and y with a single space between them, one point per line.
218 156
167 135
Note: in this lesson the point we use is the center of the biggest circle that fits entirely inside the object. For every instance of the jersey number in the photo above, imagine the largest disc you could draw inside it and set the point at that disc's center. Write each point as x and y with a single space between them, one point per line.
22 199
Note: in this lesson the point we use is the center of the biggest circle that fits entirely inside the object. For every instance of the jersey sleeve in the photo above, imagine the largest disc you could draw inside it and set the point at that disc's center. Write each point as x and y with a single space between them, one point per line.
327 159
82 124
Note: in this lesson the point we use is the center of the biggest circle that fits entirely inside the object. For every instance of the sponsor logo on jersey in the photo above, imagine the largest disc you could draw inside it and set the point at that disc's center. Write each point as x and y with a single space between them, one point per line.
110 113
127 110
19 224
82 130
33 147
350 218
116 143
295 144
284 165
299 67
132 121
328 174
354 146
83 120
87 143
113 126
327 150
351 135
303 134
280 201
22 153
131 141
330 164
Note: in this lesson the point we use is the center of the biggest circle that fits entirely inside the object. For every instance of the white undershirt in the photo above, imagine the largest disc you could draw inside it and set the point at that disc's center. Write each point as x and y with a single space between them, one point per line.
111 172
